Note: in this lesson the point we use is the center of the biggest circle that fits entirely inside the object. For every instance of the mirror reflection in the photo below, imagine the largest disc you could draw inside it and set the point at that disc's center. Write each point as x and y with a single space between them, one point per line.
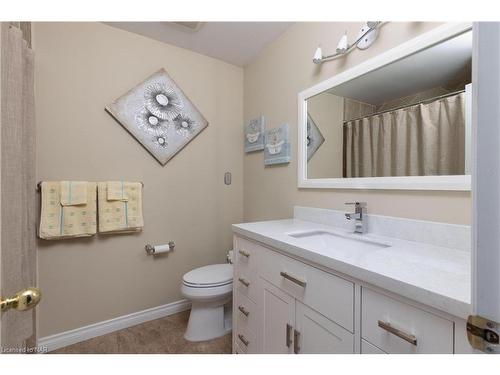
408 118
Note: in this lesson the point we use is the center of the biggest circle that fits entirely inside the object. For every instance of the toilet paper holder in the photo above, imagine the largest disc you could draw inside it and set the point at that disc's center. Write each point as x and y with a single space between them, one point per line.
150 249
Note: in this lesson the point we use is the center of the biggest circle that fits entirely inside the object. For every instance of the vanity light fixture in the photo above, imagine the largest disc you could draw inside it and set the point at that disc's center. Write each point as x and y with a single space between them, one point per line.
366 37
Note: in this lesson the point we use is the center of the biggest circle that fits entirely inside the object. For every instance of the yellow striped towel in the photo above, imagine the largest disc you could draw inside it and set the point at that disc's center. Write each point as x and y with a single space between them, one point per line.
73 193
116 216
116 191
58 221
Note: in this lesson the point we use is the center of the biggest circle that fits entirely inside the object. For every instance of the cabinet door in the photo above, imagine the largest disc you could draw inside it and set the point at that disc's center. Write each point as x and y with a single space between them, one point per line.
278 316
315 334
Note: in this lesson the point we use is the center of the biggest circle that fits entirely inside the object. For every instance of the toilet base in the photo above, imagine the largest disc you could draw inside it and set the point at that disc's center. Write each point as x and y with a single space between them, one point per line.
206 322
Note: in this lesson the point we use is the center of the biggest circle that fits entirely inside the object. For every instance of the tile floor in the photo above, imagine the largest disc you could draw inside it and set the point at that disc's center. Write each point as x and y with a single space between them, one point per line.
161 336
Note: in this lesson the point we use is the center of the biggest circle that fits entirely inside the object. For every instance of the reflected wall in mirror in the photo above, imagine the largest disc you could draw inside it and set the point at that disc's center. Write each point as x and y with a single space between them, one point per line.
410 117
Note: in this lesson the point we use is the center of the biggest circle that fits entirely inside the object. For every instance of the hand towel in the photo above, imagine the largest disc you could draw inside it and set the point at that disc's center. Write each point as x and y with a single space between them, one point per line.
73 193
116 191
58 221
117 216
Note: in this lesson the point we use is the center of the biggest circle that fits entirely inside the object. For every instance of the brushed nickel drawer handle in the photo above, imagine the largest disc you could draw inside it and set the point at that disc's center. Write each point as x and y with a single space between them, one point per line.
244 282
397 332
243 310
243 339
289 329
244 253
293 279
296 338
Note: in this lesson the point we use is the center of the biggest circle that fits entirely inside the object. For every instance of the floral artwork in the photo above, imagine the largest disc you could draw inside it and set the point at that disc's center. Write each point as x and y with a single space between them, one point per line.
314 137
277 145
254 135
159 115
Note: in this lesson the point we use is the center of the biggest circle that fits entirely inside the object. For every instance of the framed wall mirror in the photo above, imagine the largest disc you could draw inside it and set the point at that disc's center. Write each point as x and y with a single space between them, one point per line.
401 120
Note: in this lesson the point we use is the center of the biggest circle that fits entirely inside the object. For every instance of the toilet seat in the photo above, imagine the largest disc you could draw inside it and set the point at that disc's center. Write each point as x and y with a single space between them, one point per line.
206 285
214 275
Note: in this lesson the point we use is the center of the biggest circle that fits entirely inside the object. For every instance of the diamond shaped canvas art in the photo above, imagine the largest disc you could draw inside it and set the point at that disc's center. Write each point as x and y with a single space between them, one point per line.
314 137
159 115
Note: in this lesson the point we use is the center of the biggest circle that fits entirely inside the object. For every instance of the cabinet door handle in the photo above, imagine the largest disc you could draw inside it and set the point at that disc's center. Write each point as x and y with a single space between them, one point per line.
243 310
243 339
293 279
397 332
296 338
244 282
244 253
289 329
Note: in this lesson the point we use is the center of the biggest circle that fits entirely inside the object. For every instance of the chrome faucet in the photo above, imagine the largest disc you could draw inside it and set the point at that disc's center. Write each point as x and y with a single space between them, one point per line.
359 211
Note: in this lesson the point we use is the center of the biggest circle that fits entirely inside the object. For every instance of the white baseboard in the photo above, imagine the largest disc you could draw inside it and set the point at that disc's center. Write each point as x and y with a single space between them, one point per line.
73 336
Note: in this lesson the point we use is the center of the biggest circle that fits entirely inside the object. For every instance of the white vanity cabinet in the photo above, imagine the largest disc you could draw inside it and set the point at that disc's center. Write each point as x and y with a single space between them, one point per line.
277 319
291 313
397 327
284 305
317 334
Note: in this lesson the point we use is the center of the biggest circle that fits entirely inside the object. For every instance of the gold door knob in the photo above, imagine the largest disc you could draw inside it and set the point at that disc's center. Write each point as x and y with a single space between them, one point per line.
24 300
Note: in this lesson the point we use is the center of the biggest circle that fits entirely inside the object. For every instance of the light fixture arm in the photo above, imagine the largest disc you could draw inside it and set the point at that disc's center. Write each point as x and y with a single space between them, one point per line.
371 27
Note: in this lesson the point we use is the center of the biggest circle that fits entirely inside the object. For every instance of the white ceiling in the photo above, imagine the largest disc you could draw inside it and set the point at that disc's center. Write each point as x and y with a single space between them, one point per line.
234 42
429 68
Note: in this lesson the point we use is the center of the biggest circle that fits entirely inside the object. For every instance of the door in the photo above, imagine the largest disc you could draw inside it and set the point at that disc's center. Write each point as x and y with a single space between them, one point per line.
315 334
483 324
278 317
17 191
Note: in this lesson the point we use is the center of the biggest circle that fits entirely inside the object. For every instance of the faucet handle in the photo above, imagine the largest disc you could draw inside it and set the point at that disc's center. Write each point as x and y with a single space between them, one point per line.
357 204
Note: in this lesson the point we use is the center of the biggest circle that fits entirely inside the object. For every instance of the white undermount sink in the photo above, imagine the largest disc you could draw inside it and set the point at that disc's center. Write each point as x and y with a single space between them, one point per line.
322 239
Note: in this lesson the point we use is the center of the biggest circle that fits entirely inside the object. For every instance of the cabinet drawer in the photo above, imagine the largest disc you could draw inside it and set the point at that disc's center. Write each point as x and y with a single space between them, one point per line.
246 254
245 313
330 295
245 341
367 348
237 349
245 282
392 325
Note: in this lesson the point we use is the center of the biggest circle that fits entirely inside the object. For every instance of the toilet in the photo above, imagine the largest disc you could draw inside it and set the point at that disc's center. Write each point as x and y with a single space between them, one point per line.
209 289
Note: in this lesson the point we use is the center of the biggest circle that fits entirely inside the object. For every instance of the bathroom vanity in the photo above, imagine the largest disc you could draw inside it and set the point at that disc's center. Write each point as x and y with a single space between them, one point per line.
330 282
311 285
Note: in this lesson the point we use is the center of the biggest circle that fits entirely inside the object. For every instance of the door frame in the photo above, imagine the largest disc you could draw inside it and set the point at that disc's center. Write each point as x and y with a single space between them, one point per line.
0 187
485 278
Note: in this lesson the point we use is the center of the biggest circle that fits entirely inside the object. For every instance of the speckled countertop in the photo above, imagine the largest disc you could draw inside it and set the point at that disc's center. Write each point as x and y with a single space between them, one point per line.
433 275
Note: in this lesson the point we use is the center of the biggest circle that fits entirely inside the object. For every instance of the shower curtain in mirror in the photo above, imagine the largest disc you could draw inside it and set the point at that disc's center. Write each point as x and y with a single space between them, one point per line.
18 194
420 140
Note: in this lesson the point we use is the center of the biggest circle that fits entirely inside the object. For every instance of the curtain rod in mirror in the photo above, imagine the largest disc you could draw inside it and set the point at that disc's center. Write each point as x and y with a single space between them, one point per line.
424 101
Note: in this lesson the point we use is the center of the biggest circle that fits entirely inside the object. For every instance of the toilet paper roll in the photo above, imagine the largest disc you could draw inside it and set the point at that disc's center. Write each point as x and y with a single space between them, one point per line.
158 249
230 256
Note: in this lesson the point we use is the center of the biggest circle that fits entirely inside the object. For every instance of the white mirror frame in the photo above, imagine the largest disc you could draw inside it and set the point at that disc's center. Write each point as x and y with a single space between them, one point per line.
412 46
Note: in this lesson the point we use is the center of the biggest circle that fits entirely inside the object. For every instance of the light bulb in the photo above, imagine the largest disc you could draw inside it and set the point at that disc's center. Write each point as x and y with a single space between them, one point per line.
342 45
318 55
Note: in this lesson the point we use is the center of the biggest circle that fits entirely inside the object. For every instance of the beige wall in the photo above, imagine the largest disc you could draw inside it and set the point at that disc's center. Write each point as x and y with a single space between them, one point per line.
327 112
271 85
81 67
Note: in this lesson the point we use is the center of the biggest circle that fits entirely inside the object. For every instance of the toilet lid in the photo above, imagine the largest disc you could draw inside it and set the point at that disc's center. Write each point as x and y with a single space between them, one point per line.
215 274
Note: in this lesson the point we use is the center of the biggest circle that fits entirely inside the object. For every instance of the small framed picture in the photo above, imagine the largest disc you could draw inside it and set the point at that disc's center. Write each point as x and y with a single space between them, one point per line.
277 145
254 134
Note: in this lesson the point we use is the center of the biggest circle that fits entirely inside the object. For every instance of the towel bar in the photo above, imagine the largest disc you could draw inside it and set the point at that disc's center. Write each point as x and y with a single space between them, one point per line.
39 184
